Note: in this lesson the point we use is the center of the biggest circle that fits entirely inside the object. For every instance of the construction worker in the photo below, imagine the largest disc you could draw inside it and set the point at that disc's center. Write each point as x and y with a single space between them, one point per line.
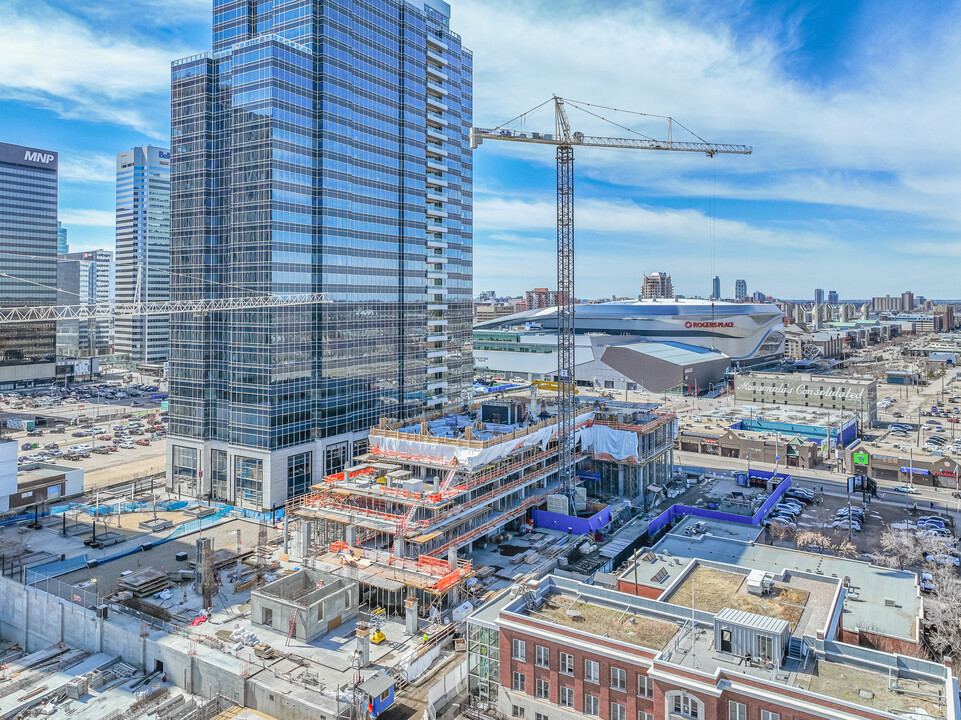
426 639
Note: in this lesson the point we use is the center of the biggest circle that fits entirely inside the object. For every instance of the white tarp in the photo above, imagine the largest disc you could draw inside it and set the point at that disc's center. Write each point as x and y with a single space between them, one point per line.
604 440
468 457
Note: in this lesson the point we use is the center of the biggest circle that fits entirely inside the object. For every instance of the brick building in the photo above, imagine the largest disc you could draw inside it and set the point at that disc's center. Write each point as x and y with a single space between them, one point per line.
807 646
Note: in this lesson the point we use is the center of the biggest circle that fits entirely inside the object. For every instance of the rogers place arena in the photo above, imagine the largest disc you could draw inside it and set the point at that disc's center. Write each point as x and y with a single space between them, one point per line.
677 332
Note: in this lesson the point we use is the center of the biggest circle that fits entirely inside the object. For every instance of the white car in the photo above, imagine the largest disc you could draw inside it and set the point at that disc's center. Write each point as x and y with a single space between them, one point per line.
907 489
943 559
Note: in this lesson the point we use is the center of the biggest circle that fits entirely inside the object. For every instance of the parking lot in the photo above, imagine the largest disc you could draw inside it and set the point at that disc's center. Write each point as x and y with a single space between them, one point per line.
114 431
820 515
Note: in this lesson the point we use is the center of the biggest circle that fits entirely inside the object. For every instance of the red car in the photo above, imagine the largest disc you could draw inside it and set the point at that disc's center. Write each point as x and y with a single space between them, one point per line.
953 419
104 437
142 441
110 448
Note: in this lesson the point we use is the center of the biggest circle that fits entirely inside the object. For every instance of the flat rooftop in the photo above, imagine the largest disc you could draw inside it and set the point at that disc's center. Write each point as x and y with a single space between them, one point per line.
835 670
605 620
880 599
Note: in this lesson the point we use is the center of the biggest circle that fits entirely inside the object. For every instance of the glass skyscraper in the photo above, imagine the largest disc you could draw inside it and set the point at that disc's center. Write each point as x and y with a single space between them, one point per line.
321 147
28 259
143 250
62 246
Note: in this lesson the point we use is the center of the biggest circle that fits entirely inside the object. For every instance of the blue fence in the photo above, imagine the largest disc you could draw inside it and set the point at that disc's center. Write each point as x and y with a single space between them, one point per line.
676 511
577 525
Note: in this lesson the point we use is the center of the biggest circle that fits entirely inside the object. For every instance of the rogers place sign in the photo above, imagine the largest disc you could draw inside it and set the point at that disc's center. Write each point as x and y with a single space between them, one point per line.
690 324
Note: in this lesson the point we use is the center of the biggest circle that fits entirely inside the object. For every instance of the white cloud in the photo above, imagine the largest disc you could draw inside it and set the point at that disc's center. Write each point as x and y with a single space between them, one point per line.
89 218
55 61
87 167
866 140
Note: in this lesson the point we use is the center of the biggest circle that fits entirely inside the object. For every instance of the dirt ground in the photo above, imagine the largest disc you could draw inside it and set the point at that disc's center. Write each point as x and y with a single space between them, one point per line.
648 633
716 589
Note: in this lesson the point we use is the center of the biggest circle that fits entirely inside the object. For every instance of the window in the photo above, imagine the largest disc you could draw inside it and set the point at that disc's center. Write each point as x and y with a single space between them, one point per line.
685 705
519 681
566 698
765 647
645 688
542 656
541 688
517 711
592 671
519 650
540 716
618 679
567 664
736 711
641 715
618 711
298 474
592 705
768 715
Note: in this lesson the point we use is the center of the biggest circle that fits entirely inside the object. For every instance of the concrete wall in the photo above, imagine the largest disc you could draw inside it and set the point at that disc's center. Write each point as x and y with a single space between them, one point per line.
320 599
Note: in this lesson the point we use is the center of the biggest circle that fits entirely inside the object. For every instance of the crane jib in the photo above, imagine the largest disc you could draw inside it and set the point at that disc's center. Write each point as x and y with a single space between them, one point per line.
479 135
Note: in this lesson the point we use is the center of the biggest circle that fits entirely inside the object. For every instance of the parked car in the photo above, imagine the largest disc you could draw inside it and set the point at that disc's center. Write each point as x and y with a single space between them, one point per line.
105 438
845 524
143 441
35 433
926 582
943 559
126 444
907 489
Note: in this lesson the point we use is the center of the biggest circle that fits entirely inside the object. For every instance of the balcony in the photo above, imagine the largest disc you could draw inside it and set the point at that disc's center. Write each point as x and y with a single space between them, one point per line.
434 87
436 102
436 118
435 165
436 339
436 58
436 133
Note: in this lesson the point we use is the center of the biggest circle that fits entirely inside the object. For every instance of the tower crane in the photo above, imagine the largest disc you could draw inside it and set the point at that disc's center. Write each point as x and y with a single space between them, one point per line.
565 140
94 311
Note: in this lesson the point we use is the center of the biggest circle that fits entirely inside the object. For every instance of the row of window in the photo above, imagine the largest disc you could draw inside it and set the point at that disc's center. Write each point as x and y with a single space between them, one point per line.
592 669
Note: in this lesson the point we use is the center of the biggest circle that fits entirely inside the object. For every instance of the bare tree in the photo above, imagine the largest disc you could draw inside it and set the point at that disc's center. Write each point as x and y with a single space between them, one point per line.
899 548
846 548
942 610
780 531
819 540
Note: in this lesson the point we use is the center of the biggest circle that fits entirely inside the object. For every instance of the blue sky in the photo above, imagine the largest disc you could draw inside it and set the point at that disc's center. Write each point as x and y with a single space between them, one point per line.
852 109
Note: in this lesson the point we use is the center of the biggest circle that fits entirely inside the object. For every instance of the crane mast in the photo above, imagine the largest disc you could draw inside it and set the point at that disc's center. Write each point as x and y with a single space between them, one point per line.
565 140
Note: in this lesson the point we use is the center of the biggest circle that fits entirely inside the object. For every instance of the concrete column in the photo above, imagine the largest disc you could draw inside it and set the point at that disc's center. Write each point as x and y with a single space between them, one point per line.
452 558
363 643
351 535
305 528
286 534
410 615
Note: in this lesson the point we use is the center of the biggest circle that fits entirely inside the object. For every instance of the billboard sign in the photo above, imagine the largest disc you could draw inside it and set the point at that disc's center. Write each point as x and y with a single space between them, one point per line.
861 458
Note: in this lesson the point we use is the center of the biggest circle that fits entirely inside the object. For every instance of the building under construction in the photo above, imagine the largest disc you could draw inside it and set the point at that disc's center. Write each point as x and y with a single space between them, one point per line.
427 489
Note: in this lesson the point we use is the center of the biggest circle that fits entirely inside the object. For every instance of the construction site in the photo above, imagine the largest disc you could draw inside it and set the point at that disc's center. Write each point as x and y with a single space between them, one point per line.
412 509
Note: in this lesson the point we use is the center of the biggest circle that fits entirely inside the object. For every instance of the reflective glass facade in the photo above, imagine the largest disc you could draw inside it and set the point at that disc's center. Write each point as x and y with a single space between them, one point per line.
143 250
322 147
28 255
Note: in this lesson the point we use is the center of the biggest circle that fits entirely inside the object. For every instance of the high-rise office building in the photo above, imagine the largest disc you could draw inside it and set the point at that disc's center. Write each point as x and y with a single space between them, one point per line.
83 278
716 288
833 297
740 289
62 246
818 296
143 250
28 260
657 285
322 147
